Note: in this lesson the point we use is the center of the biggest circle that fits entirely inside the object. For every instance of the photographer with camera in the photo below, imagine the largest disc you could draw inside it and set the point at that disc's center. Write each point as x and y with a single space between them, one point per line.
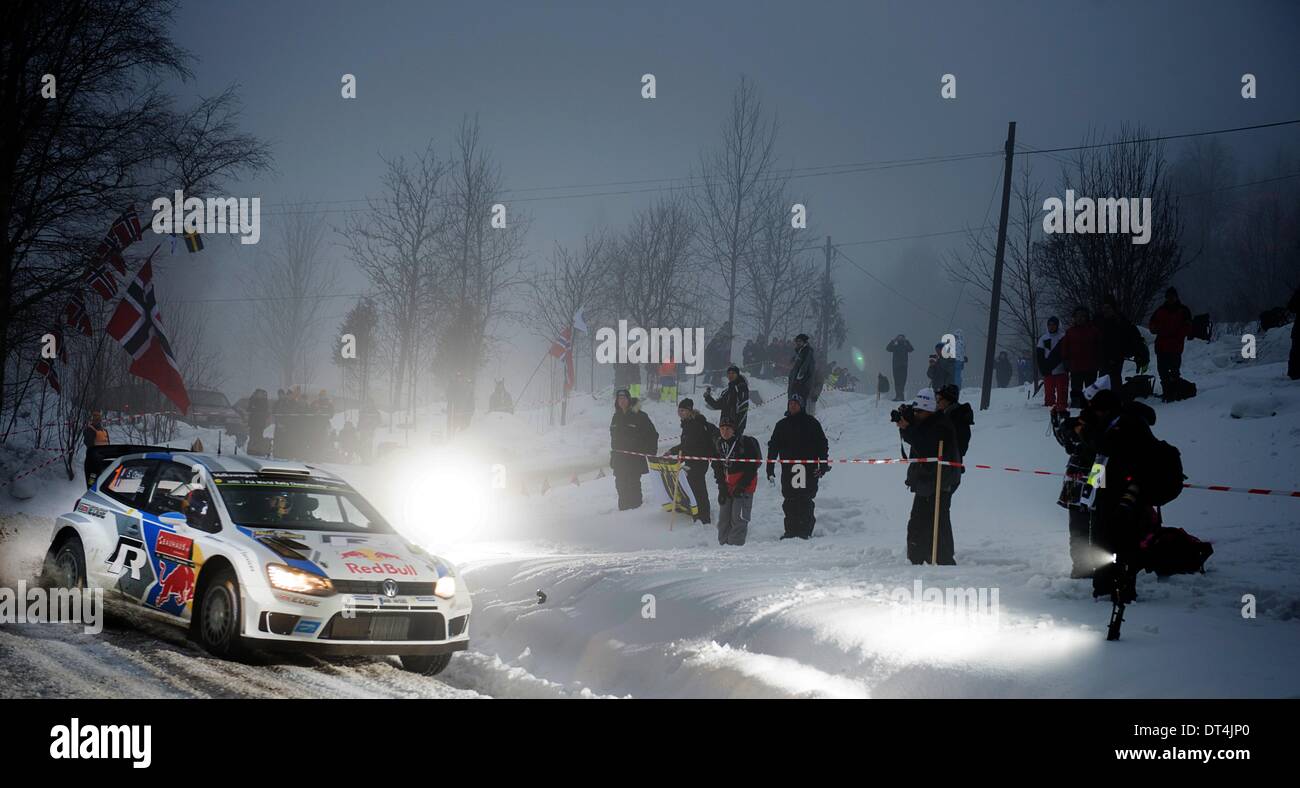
734 402
925 428
1085 555
798 436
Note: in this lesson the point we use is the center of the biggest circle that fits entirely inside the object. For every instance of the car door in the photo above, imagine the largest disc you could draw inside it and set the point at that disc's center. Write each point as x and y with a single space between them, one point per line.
126 568
176 551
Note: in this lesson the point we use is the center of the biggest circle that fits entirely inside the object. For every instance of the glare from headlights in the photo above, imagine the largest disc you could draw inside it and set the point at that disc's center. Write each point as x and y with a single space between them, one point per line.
445 587
286 578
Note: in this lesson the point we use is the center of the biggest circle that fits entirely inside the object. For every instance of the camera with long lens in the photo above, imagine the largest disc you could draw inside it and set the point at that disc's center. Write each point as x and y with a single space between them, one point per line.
902 412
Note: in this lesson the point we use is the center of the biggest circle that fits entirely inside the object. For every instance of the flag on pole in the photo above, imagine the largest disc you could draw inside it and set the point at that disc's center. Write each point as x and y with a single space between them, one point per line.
578 322
137 325
101 280
75 316
193 243
45 368
126 229
563 348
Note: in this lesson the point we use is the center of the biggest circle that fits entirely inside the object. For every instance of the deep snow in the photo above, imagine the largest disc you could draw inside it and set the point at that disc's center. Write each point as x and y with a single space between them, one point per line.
780 618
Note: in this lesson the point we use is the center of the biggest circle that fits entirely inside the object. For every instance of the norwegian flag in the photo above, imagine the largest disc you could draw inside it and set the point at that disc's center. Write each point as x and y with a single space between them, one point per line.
45 368
75 316
110 251
137 325
562 347
126 229
101 279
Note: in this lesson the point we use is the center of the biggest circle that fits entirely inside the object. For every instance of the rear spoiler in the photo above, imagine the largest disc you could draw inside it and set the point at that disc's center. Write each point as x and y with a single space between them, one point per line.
100 457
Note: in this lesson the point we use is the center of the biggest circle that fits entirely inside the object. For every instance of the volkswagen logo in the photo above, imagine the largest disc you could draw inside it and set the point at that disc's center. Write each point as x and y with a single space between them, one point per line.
390 588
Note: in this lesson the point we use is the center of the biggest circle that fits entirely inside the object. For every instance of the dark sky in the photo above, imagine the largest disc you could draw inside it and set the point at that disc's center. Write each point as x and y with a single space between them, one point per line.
556 88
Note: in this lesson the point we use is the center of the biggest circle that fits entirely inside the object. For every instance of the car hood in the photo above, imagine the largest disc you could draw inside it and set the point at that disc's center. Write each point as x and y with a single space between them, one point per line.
350 556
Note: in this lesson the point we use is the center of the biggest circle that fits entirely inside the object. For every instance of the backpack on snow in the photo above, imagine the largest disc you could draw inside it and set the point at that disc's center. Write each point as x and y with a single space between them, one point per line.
1173 551
1162 479
1175 390
1138 387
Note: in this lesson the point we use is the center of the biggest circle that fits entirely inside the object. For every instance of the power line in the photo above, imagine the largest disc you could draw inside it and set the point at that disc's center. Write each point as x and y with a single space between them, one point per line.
1164 137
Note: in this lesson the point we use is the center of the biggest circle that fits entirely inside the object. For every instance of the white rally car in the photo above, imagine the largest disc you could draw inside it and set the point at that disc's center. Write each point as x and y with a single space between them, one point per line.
261 554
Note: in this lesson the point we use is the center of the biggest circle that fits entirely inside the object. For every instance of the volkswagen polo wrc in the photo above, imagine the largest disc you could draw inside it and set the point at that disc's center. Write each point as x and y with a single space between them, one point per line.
260 554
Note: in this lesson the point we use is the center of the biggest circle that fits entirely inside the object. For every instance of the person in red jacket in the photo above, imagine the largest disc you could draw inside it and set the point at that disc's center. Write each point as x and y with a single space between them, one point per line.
1172 325
736 471
1081 354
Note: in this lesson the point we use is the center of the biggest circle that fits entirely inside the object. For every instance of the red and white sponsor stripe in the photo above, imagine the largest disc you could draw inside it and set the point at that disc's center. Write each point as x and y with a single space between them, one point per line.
950 463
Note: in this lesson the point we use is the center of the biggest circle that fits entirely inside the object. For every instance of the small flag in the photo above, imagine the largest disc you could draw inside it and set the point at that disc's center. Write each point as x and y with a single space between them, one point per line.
110 251
101 279
46 370
563 348
578 322
193 243
74 315
126 229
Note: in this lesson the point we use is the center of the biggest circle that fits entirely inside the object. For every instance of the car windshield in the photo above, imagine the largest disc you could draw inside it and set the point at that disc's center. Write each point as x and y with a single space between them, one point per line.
302 506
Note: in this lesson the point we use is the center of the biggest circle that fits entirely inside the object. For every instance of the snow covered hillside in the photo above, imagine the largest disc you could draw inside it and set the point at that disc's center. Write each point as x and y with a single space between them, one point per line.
638 604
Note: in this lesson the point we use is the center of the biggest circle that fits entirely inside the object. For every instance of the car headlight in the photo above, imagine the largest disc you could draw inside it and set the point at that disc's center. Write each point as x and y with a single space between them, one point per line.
445 587
286 578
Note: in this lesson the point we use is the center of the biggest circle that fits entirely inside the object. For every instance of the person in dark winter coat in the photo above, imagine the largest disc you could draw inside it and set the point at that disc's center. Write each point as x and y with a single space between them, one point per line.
959 414
924 428
941 371
1121 517
1056 379
1002 368
630 430
900 348
736 472
1293 363
259 417
803 369
699 439
1085 555
1119 341
500 400
798 436
1080 352
1172 325
734 402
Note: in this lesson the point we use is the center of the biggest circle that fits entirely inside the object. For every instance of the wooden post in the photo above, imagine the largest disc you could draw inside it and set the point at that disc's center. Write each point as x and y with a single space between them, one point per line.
938 482
676 486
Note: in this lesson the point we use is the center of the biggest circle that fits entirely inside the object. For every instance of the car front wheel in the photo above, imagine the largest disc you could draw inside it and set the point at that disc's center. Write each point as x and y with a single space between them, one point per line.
65 566
426 664
219 616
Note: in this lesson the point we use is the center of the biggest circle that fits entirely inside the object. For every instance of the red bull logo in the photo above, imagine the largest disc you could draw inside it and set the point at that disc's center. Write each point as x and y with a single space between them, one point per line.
386 568
372 555
178 583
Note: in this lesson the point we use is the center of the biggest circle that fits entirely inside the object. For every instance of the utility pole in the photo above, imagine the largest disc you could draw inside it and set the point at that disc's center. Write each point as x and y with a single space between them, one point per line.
995 297
824 321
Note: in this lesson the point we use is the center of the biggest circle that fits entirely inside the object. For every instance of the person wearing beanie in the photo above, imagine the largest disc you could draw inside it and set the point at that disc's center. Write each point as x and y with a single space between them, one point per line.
798 436
699 439
734 402
630 430
924 428
736 472
802 372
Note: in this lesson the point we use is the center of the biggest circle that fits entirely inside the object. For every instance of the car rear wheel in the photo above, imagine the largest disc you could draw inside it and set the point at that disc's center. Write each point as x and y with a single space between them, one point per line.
426 664
219 616
65 565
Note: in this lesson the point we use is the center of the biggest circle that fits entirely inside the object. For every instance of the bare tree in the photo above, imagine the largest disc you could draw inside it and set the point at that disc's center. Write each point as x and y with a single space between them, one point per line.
1021 288
480 266
654 277
1086 268
783 283
734 195
287 289
395 245
1264 246
107 136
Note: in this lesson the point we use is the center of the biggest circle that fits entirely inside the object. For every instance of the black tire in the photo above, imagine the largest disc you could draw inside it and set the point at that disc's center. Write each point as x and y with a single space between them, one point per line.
219 613
65 564
425 664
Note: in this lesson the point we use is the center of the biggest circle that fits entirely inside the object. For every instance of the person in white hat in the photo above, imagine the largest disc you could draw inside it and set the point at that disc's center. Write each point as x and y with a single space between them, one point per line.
923 428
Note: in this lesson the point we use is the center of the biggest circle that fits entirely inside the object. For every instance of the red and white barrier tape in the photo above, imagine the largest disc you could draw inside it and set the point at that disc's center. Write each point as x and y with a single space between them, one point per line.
950 463
30 471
